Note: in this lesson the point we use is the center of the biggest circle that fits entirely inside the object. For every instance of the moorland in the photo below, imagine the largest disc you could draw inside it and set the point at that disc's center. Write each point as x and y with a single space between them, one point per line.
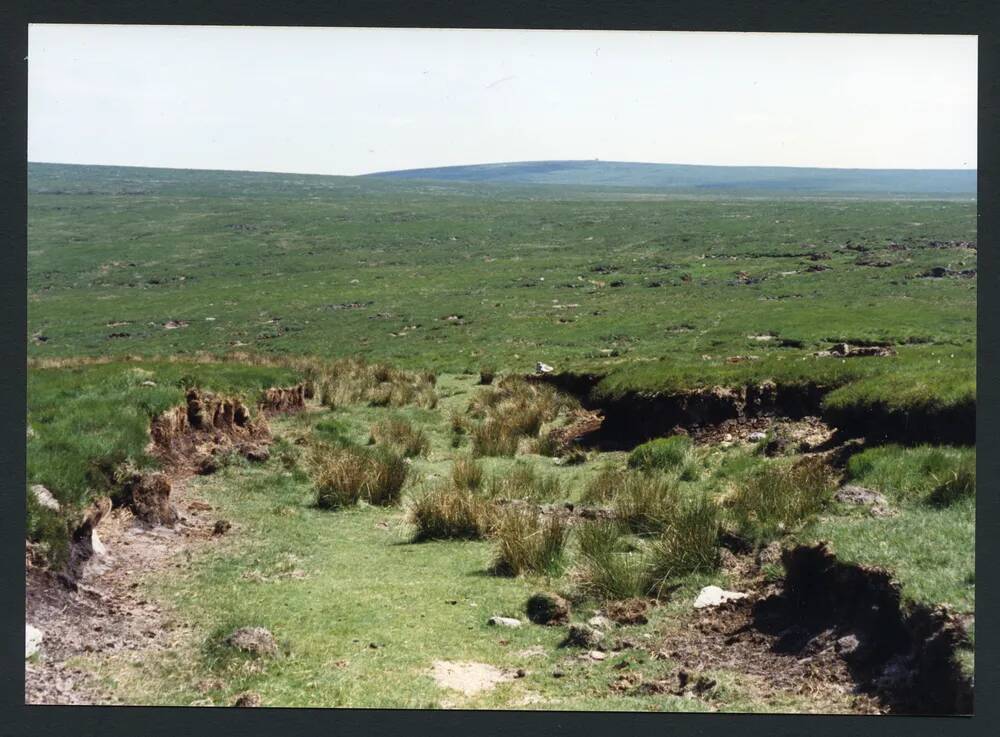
334 385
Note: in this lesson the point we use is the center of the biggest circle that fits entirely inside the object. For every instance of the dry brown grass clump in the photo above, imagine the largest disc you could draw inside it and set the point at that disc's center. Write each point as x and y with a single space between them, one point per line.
466 473
355 381
402 436
450 512
510 409
345 476
529 542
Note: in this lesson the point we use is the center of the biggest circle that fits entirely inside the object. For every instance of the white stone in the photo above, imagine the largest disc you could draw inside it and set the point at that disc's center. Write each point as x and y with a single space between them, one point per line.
597 655
504 622
711 596
32 640
96 544
543 368
600 622
757 436
44 497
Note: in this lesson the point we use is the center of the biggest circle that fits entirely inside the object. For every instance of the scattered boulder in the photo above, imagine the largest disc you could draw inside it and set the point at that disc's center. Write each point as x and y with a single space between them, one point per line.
547 608
504 622
581 635
32 640
248 699
44 497
713 596
149 497
256 641
858 495
756 437
543 368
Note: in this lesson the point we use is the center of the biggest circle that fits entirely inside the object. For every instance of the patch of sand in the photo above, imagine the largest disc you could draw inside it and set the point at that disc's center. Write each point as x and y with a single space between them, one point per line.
468 677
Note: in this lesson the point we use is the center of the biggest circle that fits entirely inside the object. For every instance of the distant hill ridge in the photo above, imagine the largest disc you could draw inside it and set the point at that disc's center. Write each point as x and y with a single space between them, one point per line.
688 177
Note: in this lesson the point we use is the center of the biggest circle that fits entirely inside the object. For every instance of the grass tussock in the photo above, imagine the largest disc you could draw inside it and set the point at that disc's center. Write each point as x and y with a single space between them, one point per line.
603 486
688 543
355 381
449 511
525 483
779 498
645 502
467 473
528 542
401 435
662 454
343 476
510 409
609 567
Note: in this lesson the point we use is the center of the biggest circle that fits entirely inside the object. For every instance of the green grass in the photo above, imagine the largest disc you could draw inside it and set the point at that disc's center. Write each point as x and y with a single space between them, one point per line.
435 286
87 422
315 266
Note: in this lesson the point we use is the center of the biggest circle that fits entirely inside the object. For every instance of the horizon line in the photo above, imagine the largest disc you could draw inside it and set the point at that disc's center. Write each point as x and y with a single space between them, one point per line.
512 163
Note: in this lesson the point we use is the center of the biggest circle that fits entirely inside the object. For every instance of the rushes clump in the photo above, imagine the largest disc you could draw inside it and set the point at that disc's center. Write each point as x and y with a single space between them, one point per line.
645 502
345 476
355 381
527 542
466 473
603 486
688 543
493 437
610 568
402 436
778 498
450 512
510 409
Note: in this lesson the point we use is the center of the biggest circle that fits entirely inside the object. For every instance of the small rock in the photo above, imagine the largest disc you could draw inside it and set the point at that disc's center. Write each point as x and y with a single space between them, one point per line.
597 655
96 544
580 635
756 437
600 622
847 645
32 640
543 368
547 608
44 497
712 596
253 640
148 383
504 622
248 699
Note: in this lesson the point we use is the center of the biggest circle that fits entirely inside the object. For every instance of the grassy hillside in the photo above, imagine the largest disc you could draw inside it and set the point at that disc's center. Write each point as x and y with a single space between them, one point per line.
776 179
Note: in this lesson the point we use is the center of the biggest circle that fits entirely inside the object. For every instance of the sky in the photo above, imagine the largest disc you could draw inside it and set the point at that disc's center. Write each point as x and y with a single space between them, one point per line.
353 101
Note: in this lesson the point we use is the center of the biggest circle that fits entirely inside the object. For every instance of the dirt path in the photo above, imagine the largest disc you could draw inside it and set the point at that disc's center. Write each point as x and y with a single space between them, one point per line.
106 613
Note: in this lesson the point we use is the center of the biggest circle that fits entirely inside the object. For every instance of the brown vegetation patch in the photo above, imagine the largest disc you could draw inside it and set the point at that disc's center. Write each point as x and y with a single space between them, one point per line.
206 426
284 399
